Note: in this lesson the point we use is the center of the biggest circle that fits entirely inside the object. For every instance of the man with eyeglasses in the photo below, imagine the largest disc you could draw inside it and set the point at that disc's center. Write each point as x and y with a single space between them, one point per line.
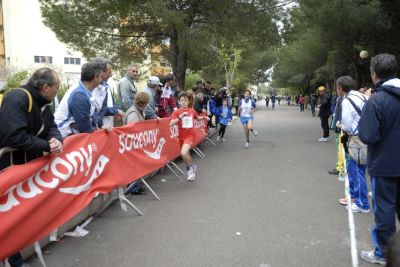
127 88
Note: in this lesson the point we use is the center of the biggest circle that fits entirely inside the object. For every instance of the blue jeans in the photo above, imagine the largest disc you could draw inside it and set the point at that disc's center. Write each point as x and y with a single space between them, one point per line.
358 184
386 196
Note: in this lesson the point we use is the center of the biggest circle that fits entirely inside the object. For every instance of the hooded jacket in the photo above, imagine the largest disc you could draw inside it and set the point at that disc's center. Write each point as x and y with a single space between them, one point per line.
379 128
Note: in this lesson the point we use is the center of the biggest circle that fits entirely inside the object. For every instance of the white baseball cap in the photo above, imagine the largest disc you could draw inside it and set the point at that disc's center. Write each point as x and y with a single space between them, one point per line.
154 80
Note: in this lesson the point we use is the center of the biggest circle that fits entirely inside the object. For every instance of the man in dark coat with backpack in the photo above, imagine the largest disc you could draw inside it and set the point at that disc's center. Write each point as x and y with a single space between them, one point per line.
27 124
379 128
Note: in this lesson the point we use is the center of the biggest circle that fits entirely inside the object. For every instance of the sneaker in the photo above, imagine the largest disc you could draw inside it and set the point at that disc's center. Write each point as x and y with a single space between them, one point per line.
218 138
255 132
355 209
334 172
246 145
323 139
343 201
191 173
369 256
223 140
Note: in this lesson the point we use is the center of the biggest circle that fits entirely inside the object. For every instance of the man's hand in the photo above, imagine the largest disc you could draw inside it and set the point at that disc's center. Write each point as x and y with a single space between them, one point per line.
338 124
368 92
56 145
120 113
108 128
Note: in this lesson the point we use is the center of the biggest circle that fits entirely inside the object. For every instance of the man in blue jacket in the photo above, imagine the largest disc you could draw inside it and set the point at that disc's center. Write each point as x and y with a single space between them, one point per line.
379 128
77 111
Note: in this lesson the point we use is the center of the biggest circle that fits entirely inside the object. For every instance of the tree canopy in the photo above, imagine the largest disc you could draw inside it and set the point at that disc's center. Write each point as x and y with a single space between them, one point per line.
322 40
123 30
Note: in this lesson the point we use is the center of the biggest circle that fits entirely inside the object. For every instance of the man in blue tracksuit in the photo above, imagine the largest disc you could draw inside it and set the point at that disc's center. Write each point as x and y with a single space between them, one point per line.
379 128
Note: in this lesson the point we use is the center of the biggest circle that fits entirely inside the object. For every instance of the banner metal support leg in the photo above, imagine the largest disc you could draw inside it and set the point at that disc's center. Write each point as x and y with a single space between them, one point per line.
199 152
172 169
150 189
123 201
39 253
211 141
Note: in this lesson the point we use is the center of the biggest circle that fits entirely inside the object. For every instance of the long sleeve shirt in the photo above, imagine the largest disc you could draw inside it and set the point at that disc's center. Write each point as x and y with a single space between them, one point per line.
350 116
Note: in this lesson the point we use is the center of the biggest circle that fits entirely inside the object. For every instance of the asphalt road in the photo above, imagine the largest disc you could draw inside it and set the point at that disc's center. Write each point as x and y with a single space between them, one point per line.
271 205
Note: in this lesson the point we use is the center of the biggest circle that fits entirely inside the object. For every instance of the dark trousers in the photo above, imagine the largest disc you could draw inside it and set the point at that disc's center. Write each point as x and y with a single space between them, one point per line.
313 110
386 197
209 124
16 260
237 110
221 132
325 126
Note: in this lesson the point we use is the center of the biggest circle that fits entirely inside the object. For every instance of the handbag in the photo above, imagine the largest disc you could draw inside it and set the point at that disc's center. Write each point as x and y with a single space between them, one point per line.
358 150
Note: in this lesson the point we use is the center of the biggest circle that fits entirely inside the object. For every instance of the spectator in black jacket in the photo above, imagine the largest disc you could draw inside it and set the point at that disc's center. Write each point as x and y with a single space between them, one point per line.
324 113
379 128
27 124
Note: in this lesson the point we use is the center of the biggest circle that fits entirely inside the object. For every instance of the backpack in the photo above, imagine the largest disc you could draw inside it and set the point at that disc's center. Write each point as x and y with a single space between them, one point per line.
30 102
357 149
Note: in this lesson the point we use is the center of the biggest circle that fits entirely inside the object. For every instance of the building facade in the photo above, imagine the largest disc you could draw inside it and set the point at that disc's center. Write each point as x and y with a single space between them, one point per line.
27 44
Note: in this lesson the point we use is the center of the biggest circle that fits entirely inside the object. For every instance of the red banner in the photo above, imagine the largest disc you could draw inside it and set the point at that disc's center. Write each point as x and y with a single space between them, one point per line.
40 196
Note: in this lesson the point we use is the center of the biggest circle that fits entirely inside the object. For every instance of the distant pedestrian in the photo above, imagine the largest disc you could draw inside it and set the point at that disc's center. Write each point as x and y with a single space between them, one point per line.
306 101
301 103
236 101
273 101
324 113
267 101
313 104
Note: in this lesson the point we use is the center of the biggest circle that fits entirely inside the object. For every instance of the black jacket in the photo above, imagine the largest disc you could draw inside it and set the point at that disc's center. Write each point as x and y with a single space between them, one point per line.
379 128
22 130
325 107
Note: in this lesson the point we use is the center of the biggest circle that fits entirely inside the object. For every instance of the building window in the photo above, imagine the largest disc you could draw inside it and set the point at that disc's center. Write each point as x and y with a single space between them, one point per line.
43 59
72 61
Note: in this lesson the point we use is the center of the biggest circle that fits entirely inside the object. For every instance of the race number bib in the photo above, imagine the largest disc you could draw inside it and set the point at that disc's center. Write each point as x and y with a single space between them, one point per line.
187 122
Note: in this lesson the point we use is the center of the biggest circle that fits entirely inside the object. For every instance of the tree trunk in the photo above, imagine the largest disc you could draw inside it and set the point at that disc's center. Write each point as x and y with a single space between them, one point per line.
179 59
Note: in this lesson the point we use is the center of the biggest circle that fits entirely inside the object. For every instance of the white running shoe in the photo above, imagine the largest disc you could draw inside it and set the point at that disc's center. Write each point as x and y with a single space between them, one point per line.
223 139
324 139
355 208
255 132
193 173
246 145
218 138
369 256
